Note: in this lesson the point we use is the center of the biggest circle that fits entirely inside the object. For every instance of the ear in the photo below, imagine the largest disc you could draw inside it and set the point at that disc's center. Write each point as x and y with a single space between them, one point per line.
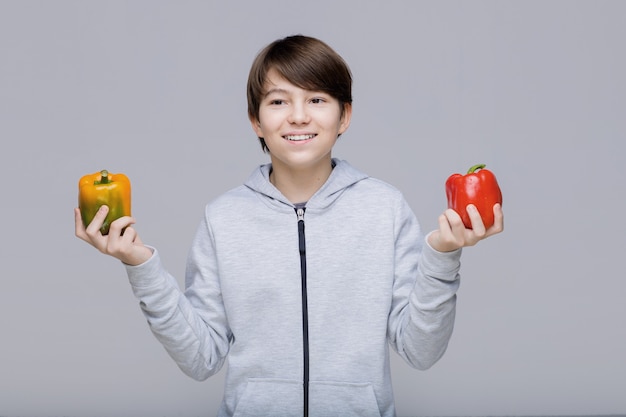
344 123
256 126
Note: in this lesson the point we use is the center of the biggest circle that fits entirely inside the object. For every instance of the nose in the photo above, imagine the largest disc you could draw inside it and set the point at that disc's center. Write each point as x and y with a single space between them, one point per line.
298 114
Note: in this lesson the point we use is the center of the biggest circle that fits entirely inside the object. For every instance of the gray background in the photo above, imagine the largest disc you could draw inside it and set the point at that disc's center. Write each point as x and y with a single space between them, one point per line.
156 89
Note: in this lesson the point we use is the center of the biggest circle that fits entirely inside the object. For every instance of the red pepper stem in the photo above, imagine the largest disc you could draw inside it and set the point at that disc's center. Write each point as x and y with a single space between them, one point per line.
476 167
104 177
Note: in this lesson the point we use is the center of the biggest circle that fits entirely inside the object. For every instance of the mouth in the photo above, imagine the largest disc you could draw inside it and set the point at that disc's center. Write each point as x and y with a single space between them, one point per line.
299 138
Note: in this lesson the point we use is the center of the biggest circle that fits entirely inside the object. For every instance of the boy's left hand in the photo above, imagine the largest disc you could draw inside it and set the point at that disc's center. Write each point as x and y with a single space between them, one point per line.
453 235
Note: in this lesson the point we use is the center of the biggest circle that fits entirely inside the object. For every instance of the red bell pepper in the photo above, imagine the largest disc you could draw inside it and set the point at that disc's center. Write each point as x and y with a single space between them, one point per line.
478 187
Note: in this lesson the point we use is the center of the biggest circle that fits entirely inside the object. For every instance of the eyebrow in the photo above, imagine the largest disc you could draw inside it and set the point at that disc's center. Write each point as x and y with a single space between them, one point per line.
275 90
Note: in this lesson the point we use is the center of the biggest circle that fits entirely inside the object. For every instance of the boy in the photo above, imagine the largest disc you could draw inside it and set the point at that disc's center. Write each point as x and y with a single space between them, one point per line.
326 269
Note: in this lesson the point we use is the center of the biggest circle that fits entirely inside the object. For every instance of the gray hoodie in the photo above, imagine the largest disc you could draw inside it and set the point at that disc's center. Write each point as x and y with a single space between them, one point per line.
305 305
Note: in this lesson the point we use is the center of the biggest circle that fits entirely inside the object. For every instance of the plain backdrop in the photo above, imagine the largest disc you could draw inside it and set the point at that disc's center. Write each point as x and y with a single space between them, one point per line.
156 89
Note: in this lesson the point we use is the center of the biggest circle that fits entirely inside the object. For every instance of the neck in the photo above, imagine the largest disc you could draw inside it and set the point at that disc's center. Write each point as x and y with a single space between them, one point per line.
299 185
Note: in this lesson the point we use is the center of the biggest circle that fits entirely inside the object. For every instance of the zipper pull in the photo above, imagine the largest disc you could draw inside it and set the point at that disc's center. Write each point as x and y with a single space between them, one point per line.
300 213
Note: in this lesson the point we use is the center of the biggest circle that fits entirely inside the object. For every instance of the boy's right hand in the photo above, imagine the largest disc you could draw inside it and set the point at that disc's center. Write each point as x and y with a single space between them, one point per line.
126 246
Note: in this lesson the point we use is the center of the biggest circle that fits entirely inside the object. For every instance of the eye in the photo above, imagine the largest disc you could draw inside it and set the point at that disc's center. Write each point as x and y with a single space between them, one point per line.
318 100
276 102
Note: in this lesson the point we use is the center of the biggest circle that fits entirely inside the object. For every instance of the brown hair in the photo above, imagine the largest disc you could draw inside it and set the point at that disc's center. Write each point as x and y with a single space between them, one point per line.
304 61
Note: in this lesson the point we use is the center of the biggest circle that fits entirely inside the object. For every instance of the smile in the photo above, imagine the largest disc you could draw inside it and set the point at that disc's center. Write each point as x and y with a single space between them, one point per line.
296 138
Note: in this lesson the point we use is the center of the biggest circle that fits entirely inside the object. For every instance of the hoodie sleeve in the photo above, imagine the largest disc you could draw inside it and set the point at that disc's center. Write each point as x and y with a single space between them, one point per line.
424 294
190 325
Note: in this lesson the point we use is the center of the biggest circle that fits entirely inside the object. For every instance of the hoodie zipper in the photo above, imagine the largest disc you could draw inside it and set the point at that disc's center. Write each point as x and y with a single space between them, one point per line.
305 313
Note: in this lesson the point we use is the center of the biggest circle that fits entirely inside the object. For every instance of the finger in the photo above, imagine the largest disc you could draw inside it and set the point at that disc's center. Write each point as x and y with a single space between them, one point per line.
117 226
129 248
444 224
457 227
454 229
478 226
498 217
93 228
117 241
129 236
138 240
120 239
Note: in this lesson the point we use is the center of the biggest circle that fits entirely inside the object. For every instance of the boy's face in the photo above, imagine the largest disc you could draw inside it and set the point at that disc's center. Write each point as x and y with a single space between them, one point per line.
300 127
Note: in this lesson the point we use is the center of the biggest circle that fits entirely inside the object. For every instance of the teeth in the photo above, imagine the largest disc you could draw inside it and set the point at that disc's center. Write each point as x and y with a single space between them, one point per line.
299 137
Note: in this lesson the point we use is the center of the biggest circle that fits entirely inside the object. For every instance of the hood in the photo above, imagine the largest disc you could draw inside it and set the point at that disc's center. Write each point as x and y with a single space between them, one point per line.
341 178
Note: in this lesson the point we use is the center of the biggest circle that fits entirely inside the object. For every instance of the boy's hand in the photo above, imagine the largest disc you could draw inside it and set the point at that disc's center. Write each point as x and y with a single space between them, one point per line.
453 235
122 242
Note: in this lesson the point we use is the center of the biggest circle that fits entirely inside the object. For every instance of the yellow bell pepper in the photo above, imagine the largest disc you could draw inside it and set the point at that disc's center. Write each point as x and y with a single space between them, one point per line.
103 188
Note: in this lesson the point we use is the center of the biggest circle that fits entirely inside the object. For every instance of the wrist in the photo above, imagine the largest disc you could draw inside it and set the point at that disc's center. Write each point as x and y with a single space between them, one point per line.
433 239
140 256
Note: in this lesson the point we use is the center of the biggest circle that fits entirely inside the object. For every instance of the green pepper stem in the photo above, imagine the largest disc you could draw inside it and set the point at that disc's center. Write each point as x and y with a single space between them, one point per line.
104 177
476 167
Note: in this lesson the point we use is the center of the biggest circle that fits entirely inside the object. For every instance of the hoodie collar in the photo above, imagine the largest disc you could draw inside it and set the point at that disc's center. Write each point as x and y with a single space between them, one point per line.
342 176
